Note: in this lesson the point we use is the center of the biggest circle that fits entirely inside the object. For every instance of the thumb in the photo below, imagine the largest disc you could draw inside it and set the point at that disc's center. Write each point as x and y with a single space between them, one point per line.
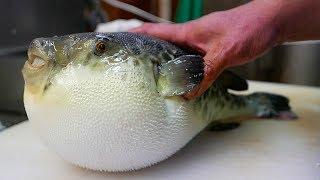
170 32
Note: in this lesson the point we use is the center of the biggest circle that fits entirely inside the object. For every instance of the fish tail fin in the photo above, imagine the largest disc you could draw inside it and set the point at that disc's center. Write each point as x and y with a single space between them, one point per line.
219 106
266 105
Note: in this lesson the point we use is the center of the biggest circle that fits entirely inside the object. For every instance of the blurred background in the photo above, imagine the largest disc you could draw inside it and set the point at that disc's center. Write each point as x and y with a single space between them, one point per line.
21 21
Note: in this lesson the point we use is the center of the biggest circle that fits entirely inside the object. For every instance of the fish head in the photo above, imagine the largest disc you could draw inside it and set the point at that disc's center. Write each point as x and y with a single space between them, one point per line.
47 57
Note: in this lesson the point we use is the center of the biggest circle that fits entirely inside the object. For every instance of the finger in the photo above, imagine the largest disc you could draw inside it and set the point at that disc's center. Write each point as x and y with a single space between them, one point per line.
170 32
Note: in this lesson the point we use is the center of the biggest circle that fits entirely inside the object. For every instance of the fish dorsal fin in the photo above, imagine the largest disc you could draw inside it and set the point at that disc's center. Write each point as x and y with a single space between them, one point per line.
229 80
180 75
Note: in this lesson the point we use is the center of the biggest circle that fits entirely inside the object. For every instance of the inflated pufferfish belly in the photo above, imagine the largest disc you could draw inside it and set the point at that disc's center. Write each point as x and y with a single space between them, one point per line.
103 123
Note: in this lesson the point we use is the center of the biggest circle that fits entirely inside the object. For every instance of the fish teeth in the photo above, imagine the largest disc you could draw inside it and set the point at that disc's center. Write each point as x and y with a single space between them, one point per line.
38 62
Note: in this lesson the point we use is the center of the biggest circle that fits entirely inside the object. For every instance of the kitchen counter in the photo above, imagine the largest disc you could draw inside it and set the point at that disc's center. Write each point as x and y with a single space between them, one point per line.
258 149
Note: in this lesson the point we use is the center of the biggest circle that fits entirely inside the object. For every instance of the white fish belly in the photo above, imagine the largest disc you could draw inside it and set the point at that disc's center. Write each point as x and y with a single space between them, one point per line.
110 120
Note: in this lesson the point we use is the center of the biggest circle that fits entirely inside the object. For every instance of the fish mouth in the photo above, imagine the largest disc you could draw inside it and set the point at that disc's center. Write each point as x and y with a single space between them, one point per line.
37 58
35 71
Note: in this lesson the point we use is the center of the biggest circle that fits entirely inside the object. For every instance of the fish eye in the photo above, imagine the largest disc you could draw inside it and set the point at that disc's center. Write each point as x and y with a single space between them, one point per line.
100 48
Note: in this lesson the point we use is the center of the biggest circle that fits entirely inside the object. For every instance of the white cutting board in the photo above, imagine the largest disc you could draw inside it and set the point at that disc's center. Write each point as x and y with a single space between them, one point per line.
261 149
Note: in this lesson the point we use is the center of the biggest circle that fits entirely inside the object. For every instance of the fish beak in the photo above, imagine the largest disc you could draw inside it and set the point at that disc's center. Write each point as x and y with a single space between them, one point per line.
38 65
36 59
41 50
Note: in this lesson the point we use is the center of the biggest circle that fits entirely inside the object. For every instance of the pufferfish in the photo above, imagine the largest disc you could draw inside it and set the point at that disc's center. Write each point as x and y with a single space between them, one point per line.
114 101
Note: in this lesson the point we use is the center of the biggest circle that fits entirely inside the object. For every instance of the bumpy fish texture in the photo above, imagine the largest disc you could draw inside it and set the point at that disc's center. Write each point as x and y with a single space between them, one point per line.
97 121
99 106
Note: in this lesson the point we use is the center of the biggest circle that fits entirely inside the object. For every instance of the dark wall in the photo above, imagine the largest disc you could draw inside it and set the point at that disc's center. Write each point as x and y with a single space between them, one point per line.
21 21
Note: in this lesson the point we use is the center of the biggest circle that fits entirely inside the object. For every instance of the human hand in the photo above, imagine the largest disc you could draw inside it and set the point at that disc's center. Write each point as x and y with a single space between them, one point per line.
226 38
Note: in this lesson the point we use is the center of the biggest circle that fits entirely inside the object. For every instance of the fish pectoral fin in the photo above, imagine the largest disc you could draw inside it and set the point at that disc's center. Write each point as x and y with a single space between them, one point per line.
229 80
180 75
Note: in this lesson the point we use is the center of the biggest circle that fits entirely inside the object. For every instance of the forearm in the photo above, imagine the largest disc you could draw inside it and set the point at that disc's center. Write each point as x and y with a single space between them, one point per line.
295 19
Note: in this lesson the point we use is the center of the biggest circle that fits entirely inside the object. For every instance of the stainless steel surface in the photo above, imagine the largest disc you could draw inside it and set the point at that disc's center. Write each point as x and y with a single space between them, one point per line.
10 119
21 21
302 65
11 82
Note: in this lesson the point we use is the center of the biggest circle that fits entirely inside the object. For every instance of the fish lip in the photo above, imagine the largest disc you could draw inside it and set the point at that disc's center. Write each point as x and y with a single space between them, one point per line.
35 83
34 53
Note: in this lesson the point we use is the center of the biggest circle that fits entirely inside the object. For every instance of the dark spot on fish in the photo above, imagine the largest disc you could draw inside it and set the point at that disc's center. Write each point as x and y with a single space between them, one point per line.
136 63
87 59
95 64
166 57
46 87
123 77
136 50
